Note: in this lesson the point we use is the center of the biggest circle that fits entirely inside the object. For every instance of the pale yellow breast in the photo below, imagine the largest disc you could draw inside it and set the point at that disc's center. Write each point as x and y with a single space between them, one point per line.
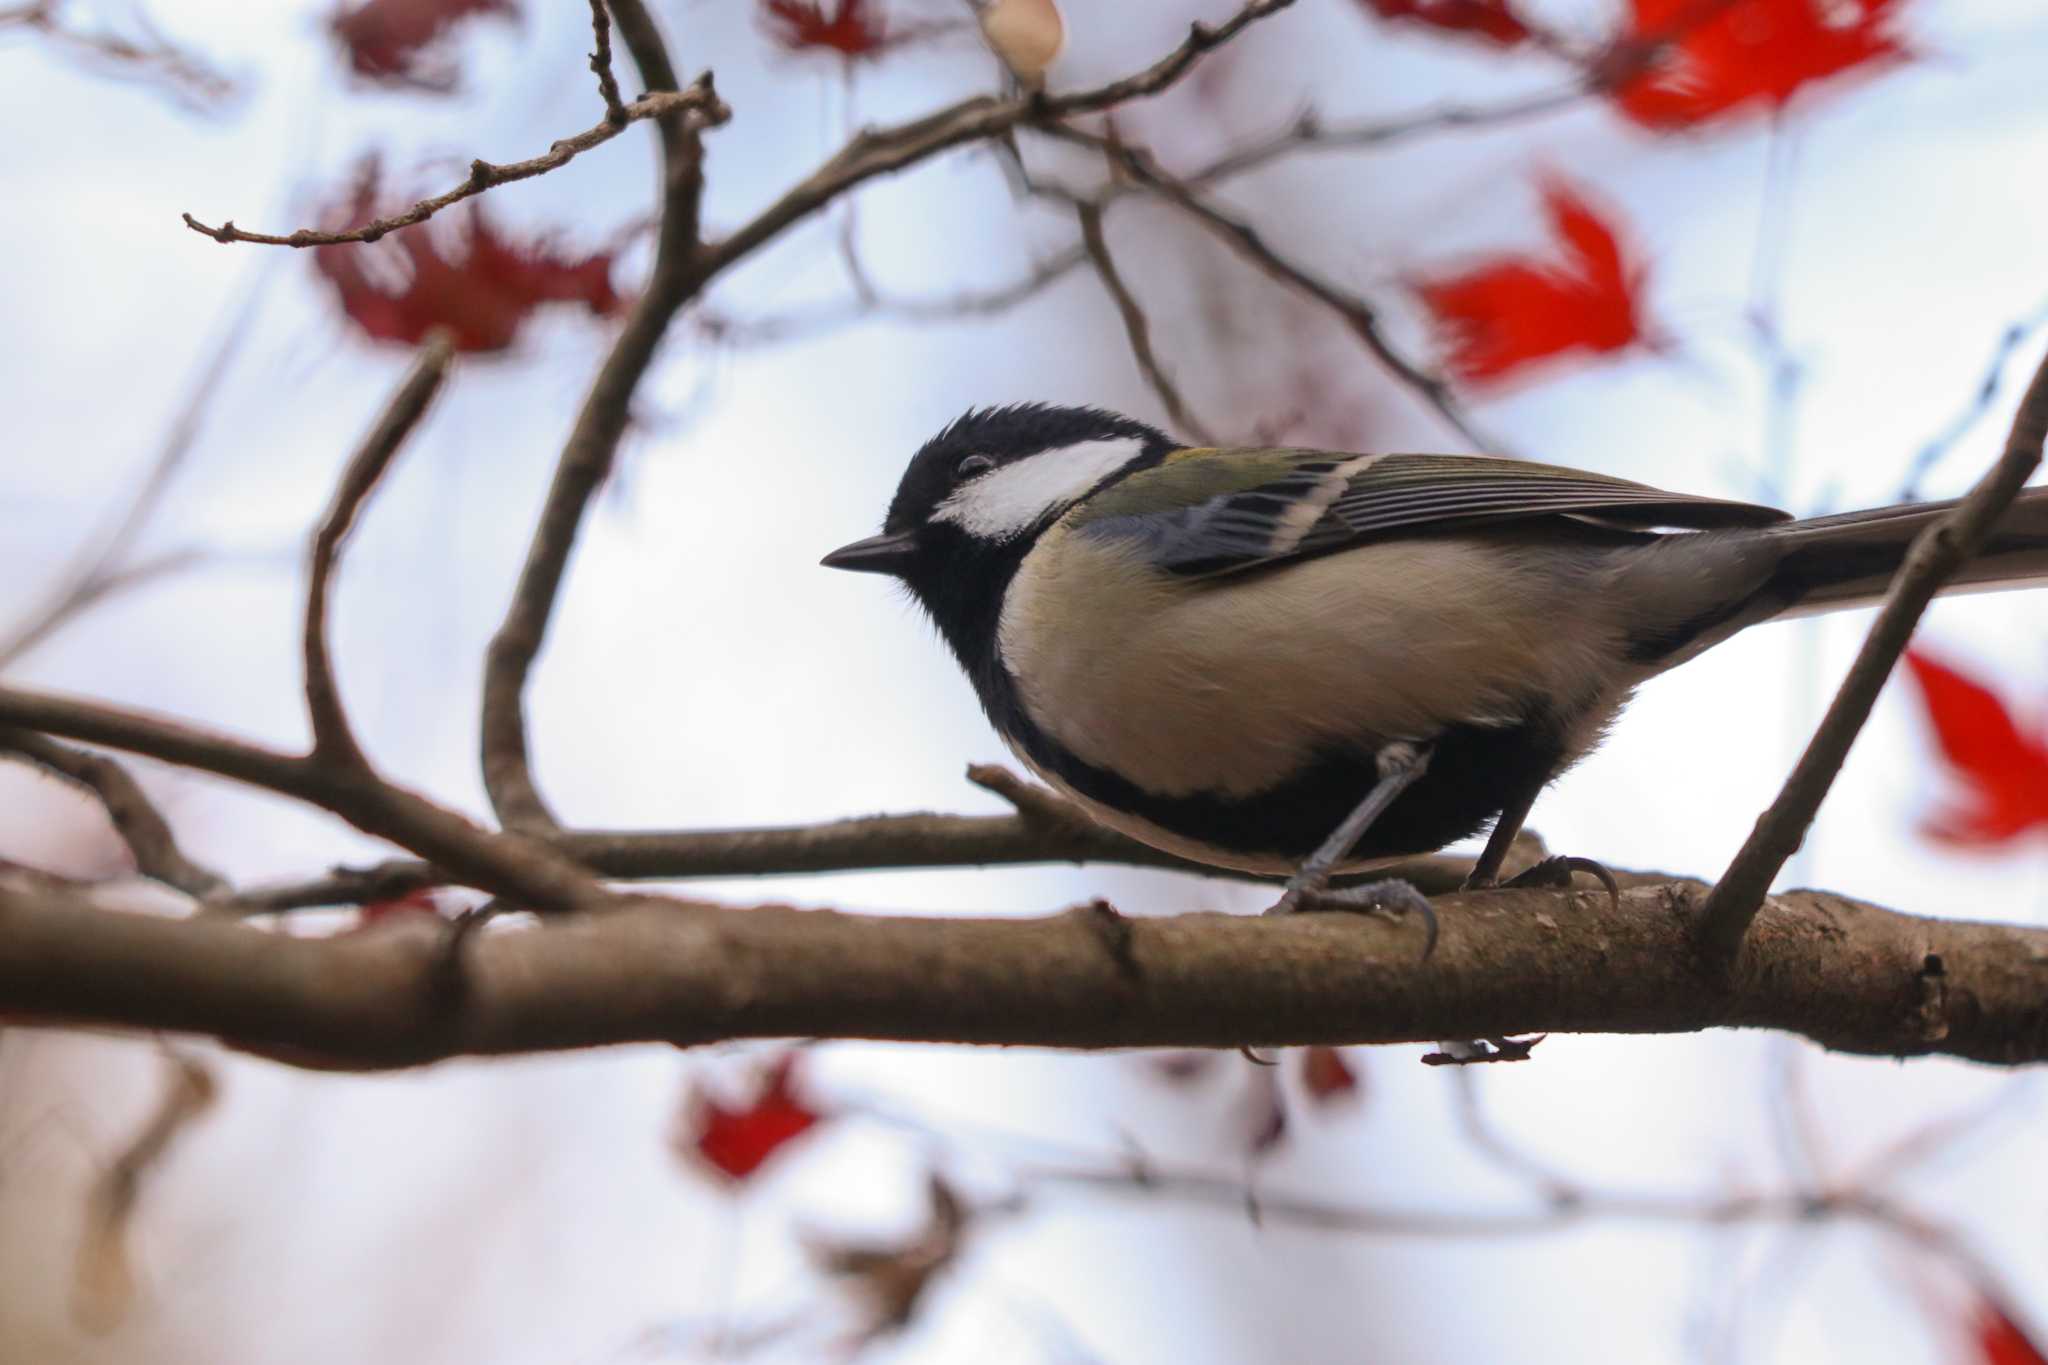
1230 685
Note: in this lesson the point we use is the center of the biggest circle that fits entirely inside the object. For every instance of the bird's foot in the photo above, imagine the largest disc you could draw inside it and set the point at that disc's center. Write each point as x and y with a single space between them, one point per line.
1554 872
1390 898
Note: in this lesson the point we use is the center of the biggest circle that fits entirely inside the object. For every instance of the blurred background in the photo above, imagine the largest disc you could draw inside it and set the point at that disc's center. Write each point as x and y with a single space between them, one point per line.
1824 242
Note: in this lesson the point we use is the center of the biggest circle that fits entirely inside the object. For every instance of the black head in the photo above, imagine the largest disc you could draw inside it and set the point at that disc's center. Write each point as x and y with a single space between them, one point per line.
980 492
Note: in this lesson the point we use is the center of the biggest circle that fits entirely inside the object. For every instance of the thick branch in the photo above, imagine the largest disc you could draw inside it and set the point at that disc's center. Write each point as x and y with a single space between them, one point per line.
333 741
664 105
1941 550
1849 975
135 817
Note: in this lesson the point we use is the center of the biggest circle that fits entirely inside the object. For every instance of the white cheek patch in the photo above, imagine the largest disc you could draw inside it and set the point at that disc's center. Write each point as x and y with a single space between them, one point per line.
1018 496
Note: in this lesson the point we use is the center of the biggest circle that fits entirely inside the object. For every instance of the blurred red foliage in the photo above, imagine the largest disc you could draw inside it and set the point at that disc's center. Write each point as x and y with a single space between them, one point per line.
1327 1075
390 41
1509 312
737 1142
1490 21
1750 56
421 902
479 285
1998 1339
2004 770
852 28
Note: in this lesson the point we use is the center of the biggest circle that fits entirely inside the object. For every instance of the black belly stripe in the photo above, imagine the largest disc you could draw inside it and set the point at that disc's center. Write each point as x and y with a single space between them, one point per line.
1472 774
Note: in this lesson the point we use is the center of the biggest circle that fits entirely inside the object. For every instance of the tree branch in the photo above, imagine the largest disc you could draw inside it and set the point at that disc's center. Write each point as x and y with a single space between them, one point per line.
699 103
527 873
1936 555
882 151
593 443
601 65
1849 975
1137 327
333 741
1353 310
135 817
872 843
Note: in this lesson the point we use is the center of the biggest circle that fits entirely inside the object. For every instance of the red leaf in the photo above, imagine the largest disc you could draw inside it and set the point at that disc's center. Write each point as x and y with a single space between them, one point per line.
421 902
1327 1075
1718 61
2004 770
1507 313
736 1142
1998 1339
851 29
1490 21
390 41
475 283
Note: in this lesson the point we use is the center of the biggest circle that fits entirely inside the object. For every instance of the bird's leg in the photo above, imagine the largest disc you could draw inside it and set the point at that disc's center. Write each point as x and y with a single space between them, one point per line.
1399 764
1486 872
1552 872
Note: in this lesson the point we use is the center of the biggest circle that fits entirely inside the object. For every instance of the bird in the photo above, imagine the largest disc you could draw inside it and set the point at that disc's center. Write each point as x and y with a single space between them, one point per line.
1299 662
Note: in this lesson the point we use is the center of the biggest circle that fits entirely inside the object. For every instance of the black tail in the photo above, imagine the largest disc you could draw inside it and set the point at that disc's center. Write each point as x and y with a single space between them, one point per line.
1831 563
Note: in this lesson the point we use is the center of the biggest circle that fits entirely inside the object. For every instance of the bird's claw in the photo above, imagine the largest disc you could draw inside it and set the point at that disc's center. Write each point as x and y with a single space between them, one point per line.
1553 872
1479 1051
1390 898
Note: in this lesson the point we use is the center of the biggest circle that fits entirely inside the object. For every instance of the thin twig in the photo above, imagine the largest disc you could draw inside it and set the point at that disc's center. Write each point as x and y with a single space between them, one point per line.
1935 557
593 443
103 1286
886 150
601 66
810 324
699 103
333 741
135 817
1938 446
1353 310
1137 328
527 873
98 571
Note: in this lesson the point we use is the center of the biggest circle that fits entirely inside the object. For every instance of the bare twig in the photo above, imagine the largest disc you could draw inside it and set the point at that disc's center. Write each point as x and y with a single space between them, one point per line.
98 571
135 817
941 308
1839 971
699 103
525 872
333 741
601 65
149 57
1938 553
865 844
1353 310
593 443
1137 328
103 1285
883 151
1931 454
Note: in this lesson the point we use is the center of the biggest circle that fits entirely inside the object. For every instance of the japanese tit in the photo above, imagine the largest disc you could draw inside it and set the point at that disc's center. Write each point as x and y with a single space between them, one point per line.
1219 652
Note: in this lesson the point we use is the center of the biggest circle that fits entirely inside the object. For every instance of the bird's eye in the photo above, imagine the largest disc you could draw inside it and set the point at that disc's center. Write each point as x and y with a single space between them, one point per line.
972 465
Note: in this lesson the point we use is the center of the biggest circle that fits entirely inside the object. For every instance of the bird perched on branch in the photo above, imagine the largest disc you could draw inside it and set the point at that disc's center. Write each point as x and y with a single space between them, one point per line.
1303 661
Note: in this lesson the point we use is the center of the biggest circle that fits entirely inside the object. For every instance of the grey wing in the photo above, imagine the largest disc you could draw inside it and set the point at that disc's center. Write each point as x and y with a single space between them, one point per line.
1313 502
